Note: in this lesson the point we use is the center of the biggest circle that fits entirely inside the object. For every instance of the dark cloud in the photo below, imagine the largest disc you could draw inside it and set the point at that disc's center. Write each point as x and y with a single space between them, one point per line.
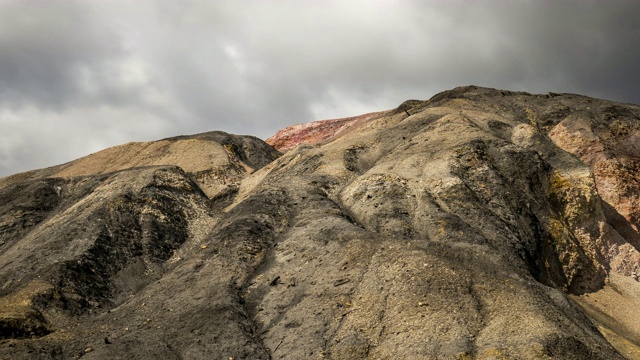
54 56
78 76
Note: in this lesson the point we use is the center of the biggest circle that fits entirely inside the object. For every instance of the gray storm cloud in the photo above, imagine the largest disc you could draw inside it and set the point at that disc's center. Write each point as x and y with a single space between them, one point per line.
79 76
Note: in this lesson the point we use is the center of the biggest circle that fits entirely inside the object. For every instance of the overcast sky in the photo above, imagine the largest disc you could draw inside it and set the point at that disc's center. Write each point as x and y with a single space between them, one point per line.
79 76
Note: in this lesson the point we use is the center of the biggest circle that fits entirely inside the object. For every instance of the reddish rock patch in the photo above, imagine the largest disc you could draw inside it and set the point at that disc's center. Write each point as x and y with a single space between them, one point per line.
318 132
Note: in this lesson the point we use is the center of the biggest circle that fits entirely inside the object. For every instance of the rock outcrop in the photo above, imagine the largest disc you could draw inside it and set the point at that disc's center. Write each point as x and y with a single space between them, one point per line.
318 132
479 224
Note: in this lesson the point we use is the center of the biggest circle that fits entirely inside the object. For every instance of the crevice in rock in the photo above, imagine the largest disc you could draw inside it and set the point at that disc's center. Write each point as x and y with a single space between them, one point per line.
479 309
258 234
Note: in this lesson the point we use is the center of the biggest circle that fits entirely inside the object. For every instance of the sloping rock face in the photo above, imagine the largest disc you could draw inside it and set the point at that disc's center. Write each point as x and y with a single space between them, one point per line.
319 132
452 228
214 159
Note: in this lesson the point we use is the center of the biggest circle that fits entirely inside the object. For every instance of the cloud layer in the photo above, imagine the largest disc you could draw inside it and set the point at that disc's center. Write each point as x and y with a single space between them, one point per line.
79 76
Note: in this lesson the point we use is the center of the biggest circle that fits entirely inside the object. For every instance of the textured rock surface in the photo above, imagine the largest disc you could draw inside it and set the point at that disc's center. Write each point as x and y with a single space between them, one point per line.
452 228
214 159
318 132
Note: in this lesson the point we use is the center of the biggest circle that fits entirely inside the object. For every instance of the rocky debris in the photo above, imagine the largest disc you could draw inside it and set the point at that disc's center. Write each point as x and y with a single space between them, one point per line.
467 226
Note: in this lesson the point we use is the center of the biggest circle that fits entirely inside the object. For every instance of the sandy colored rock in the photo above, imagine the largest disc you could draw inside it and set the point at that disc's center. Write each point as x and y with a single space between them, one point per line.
479 224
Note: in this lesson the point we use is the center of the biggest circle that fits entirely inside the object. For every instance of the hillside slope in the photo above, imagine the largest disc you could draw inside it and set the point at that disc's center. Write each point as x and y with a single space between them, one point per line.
460 227
213 159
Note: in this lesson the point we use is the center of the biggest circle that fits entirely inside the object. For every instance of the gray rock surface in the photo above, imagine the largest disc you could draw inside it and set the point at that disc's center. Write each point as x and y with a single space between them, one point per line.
452 228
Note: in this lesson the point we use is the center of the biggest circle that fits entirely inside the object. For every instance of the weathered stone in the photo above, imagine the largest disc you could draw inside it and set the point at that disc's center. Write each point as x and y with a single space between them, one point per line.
460 227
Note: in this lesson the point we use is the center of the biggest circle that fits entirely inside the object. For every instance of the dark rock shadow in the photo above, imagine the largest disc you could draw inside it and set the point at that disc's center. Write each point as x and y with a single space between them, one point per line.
621 225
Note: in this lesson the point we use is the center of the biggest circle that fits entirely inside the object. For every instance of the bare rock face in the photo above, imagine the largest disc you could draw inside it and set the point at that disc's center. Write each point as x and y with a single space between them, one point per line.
480 224
318 132
214 159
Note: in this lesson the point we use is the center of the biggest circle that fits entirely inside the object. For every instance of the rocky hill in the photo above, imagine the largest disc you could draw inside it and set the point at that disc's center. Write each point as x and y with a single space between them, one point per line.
318 132
479 224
